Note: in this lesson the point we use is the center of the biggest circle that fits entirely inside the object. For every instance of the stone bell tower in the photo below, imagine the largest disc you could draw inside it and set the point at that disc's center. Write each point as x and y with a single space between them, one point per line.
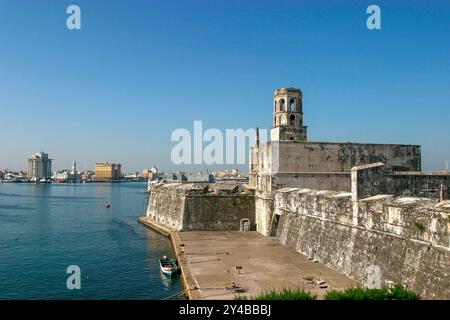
288 116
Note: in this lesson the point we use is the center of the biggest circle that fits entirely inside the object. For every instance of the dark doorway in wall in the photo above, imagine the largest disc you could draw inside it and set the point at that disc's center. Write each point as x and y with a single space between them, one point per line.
274 227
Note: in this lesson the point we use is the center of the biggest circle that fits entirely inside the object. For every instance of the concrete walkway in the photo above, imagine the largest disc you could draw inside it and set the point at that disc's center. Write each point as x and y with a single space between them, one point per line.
209 261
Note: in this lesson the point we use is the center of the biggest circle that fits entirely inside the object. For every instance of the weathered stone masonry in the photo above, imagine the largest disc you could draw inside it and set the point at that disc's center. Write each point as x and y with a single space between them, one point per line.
408 238
347 205
200 206
367 218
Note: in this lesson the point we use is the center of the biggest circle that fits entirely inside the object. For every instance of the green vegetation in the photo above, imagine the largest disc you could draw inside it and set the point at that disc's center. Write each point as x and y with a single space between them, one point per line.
398 292
285 294
419 226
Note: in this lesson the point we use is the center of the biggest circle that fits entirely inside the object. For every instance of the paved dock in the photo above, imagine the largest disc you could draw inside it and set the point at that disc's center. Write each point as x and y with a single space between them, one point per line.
212 261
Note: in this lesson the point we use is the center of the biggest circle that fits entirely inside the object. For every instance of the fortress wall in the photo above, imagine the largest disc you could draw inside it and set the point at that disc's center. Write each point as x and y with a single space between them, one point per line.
373 179
217 212
166 206
263 213
314 180
341 157
199 206
408 238
333 157
419 183
324 165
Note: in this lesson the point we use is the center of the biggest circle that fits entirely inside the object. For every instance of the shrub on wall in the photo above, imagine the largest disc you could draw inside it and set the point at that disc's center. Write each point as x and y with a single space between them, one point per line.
398 292
285 294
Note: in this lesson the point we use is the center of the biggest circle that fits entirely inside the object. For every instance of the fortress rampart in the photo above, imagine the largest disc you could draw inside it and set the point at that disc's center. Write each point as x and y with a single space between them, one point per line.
406 237
350 206
200 206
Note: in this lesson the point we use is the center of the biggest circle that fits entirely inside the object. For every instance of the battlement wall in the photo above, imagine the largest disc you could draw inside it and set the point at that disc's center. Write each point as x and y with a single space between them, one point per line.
200 206
406 237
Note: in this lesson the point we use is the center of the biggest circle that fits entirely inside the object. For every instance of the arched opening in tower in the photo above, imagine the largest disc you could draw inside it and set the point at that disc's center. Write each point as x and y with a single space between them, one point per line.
292 120
292 105
282 105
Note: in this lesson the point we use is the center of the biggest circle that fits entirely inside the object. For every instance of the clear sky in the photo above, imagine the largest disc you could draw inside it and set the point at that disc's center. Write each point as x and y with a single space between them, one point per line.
116 89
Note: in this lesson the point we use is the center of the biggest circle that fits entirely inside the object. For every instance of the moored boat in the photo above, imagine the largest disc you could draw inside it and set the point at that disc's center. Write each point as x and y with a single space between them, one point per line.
168 266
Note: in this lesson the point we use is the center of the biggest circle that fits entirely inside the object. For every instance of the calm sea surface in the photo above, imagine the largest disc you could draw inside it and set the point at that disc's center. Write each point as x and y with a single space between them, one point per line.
46 228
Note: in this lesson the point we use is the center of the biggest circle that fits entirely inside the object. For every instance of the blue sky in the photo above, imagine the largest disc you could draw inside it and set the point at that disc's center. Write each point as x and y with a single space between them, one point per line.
116 89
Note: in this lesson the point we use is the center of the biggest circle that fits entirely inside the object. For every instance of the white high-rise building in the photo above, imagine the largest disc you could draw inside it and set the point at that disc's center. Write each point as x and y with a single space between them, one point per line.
39 166
74 168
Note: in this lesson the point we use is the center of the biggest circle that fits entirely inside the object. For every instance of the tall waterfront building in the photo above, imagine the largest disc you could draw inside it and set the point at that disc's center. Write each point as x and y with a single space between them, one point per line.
107 171
39 166
74 168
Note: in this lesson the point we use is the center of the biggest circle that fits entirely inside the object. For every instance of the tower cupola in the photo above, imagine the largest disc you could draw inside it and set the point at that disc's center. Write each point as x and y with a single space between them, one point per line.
288 115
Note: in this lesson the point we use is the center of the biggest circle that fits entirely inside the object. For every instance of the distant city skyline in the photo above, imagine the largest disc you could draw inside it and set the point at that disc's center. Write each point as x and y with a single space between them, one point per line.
116 89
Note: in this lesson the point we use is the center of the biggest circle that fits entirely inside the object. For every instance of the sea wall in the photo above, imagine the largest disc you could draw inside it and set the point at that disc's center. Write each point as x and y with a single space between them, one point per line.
407 238
200 206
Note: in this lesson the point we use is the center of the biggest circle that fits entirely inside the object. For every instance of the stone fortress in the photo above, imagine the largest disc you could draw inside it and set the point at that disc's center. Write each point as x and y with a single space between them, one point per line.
289 160
350 206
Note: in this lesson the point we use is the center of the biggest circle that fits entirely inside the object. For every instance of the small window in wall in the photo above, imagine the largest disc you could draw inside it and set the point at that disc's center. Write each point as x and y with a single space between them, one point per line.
275 106
274 121
292 105
292 120
282 105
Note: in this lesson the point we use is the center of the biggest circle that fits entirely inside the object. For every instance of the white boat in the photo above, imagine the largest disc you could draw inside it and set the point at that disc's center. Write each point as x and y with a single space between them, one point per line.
168 266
